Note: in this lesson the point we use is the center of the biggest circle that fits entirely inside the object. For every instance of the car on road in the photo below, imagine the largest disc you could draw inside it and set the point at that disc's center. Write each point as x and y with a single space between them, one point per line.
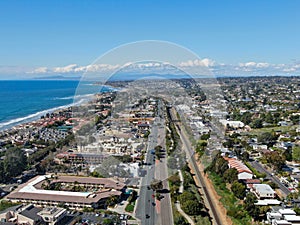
147 216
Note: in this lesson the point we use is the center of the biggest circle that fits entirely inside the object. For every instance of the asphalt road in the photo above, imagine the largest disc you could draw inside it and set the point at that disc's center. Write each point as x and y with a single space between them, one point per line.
165 216
145 199
159 213
274 179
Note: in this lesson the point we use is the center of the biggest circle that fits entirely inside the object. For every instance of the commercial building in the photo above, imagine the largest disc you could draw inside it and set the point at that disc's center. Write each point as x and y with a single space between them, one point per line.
30 215
233 124
81 158
74 192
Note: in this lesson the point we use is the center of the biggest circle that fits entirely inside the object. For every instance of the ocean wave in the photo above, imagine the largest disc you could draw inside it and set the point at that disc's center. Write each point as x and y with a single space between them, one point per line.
75 97
63 98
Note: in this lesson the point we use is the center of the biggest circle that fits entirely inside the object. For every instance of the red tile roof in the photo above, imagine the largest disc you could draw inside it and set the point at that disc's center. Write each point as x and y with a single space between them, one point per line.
238 165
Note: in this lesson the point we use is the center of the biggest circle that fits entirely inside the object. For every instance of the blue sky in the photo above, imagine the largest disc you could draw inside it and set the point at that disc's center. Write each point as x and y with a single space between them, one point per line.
231 33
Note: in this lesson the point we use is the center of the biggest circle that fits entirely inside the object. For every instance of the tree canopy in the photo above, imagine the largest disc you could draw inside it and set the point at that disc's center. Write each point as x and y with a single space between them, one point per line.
250 206
14 162
230 175
267 138
275 159
156 185
191 207
238 189
296 153
219 165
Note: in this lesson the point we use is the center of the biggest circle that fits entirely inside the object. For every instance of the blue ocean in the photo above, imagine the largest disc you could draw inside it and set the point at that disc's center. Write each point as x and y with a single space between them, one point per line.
25 100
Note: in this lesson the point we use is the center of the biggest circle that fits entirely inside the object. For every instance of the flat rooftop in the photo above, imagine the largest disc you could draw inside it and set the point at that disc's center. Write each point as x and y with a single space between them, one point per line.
263 188
32 190
287 212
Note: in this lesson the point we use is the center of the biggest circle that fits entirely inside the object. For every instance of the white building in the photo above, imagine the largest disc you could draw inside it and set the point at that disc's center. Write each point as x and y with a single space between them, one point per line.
281 222
273 216
263 191
52 215
286 212
293 219
283 217
233 124
245 175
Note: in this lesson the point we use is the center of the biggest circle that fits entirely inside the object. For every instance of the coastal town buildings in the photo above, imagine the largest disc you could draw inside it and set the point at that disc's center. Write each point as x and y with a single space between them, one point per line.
31 215
260 141
91 192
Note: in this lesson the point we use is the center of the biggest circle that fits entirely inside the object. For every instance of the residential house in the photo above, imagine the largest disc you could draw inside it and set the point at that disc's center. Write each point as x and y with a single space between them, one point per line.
244 172
263 191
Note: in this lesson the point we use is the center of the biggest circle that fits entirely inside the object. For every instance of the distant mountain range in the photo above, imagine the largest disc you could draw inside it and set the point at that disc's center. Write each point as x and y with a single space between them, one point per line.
57 78
126 77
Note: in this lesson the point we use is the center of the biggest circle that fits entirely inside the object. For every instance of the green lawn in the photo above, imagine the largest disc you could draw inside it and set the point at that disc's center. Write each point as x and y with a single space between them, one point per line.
270 129
129 207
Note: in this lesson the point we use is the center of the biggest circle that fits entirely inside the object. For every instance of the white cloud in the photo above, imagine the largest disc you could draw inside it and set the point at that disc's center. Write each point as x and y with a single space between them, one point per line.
74 68
262 65
198 62
65 69
40 70
289 70
254 65
244 68
96 68
150 68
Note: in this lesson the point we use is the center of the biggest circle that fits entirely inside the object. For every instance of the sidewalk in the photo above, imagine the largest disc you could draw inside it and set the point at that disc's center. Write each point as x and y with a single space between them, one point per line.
177 204
187 217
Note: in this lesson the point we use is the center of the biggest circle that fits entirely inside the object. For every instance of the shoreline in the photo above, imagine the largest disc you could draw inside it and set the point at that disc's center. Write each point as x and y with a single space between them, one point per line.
34 117
77 99
8 125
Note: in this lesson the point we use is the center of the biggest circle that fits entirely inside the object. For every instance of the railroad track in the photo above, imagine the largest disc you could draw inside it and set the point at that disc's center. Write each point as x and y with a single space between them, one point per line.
214 213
